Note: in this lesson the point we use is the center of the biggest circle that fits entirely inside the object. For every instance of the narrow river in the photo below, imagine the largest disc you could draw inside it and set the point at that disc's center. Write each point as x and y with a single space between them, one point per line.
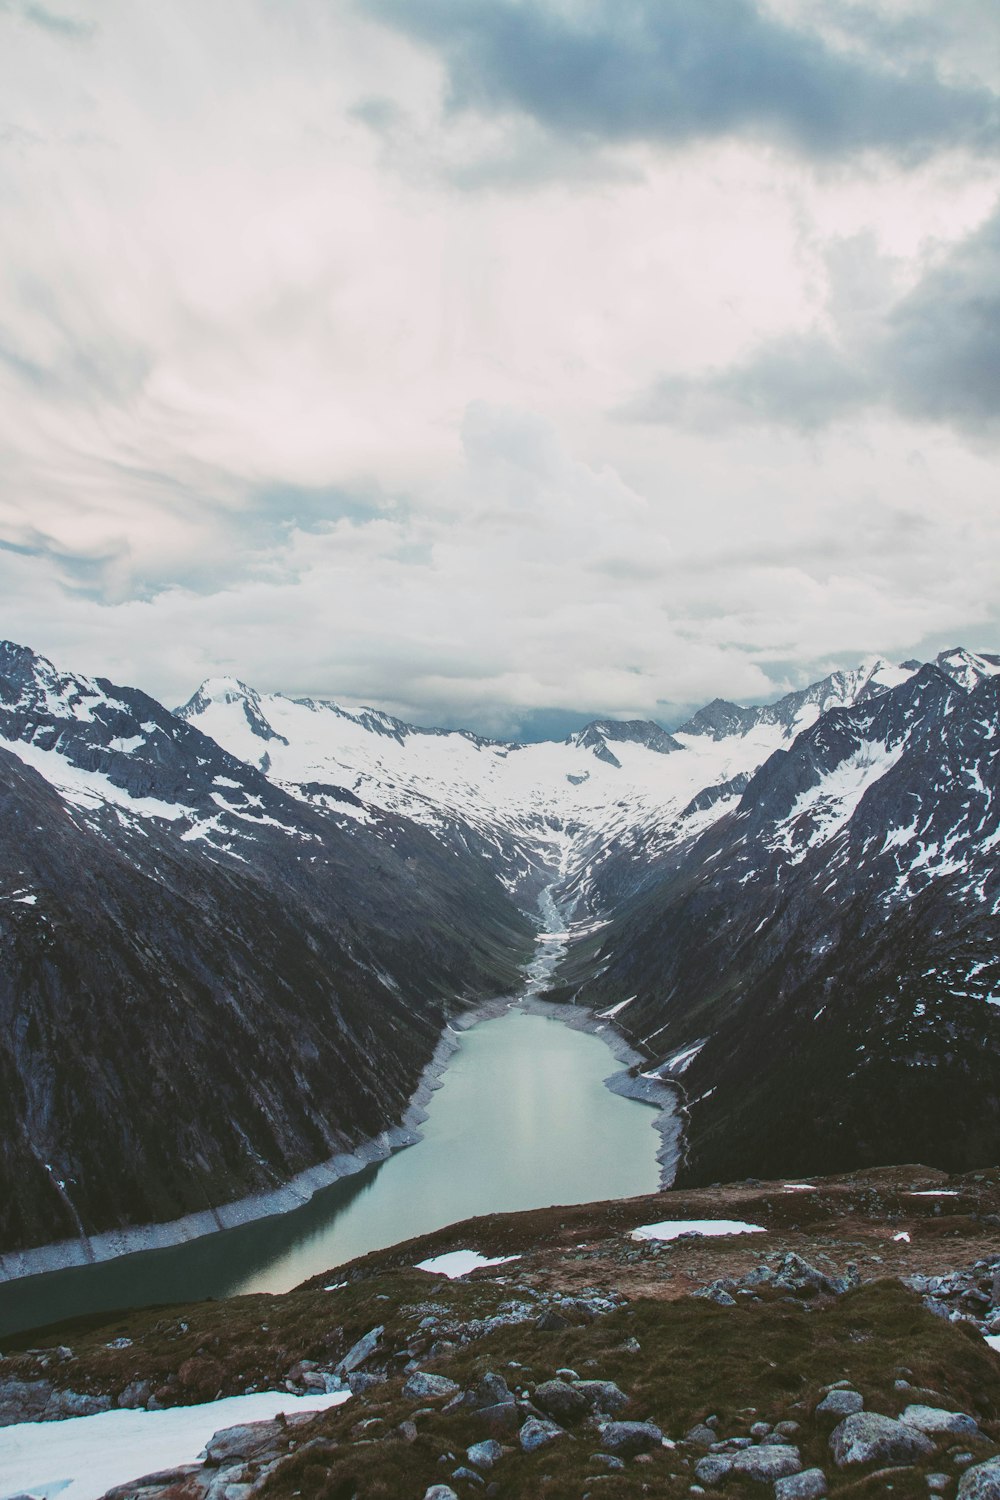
521 1120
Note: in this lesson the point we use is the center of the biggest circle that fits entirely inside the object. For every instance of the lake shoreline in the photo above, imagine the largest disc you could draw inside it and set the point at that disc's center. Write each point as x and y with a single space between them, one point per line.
111 1245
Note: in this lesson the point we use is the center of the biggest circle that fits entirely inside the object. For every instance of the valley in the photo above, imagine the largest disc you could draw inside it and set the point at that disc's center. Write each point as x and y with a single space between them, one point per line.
237 937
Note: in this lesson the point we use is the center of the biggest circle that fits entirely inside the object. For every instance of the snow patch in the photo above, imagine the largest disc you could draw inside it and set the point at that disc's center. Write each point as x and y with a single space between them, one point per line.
83 1457
460 1262
672 1229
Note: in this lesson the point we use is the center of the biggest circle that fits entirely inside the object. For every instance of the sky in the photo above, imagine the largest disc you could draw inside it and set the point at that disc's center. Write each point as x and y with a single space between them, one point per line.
499 362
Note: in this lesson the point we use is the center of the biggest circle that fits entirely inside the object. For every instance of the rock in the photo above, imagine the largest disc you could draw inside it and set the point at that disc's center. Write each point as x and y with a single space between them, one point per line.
760 1430
241 1441
840 1404
981 1482
607 1461
731 1445
551 1322
604 1395
700 1436
135 1395
938 1483
361 1351
468 1474
502 1420
485 1454
359 1383
560 1400
629 1438
939 1423
23 1400
767 1463
868 1438
787 1428
491 1391
423 1387
536 1432
440 1492
713 1468
63 1404
809 1485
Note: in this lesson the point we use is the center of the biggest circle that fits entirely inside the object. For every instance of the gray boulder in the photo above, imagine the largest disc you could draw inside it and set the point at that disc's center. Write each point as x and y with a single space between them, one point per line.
700 1436
809 1485
981 1482
440 1492
713 1468
241 1441
940 1423
626 1439
536 1432
767 1463
485 1454
868 1438
840 1404
361 1351
605 1395
492 1390
562 1401
423 1387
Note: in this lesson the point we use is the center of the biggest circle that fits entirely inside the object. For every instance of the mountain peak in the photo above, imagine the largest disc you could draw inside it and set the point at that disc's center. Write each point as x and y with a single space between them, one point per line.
224 690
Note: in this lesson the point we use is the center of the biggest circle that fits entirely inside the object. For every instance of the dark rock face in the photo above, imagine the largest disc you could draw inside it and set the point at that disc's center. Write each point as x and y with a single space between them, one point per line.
828 948
206 986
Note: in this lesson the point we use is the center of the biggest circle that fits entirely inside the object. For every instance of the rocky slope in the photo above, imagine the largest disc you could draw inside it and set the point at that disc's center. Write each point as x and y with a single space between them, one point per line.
820 969
206 986
837 1349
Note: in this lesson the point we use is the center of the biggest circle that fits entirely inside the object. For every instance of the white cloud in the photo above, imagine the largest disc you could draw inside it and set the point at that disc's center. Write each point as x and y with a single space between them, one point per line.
304 377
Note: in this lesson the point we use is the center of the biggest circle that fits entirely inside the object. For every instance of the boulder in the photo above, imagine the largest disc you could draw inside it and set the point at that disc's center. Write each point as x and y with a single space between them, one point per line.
485 1454
767 1463
424 1387
713 1468
840 1404
868 1438
981 1482
240 1441
809 1485
626 1439
491 1391
605 1395
361 1351
700 1436
937 1422
536 1432
562 1401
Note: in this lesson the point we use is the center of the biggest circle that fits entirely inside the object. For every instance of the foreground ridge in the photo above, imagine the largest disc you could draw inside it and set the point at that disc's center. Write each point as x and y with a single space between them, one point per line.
841 1340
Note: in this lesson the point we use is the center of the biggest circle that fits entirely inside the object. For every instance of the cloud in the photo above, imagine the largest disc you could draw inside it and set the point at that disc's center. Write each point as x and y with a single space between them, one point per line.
668 71
71 28
931 354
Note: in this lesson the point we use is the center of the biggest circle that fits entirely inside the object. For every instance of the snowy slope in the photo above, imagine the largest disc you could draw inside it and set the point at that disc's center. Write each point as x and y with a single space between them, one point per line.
556 810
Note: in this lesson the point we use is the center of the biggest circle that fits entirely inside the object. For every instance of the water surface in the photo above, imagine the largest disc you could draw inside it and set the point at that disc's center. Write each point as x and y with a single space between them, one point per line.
521 1120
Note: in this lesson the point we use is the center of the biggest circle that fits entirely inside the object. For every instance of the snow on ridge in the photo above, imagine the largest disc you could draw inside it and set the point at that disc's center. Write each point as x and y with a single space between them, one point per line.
81 1458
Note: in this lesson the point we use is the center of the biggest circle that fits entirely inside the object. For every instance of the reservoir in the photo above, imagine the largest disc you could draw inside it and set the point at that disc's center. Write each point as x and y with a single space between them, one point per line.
521 1120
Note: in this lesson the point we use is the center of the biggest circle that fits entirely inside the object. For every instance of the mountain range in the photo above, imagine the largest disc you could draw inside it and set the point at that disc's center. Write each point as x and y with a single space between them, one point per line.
231 936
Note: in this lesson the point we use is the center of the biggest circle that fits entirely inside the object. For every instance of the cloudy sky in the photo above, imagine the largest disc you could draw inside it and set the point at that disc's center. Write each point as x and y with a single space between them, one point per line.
499 361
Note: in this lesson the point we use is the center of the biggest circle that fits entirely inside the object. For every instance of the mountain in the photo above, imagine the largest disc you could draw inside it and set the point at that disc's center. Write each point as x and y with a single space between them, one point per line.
820 969
207 986
231 936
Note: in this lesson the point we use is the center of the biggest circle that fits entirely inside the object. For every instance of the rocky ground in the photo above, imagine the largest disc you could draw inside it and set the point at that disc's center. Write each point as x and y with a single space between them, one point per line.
841 1351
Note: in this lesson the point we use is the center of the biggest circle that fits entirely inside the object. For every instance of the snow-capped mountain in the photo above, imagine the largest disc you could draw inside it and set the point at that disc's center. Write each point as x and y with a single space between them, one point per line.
541 812
821 967
206 985
230 937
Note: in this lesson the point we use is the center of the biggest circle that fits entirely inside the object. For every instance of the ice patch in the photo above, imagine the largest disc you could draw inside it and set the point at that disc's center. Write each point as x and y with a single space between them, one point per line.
671 1229
902 1235
83 1457
460 1262
799 1187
